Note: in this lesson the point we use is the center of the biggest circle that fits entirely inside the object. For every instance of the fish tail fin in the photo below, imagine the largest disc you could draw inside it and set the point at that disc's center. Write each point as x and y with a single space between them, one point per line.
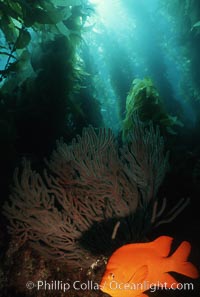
179 261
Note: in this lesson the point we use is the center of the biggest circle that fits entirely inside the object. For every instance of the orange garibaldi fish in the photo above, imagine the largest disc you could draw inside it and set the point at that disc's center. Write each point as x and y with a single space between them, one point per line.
134 268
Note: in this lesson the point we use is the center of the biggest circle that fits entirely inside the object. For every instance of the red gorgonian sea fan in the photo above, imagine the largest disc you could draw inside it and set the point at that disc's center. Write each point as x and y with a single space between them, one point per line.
88 181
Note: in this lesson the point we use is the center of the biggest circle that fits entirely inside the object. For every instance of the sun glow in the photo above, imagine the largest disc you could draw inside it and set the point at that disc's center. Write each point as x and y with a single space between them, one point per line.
96 1
112 15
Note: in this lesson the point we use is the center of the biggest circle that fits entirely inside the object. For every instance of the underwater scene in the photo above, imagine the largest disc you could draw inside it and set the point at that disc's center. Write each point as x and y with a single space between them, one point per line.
99 148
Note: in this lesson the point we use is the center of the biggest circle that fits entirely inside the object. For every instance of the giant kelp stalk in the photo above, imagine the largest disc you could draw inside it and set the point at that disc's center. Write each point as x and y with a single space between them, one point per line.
185 17
42 79
87 182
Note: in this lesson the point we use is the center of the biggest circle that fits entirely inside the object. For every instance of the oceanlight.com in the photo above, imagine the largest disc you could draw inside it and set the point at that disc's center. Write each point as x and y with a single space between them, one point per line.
146 285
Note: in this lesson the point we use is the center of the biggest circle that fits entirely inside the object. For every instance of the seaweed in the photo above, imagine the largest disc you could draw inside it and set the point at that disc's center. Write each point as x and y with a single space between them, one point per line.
144 99
42 80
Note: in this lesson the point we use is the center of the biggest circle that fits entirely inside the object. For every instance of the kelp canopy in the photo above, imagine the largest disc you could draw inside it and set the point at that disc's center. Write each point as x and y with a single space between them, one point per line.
21 19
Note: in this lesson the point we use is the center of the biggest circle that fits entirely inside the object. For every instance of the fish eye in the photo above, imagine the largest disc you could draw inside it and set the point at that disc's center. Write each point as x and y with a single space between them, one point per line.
111 275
